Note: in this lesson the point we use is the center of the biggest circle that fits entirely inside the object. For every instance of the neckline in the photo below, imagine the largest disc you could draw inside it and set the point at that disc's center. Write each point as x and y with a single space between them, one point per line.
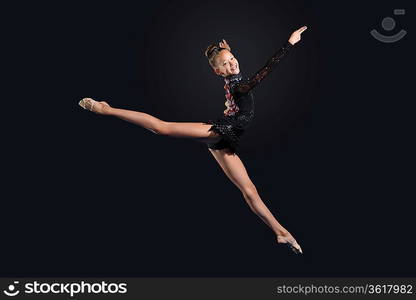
234 77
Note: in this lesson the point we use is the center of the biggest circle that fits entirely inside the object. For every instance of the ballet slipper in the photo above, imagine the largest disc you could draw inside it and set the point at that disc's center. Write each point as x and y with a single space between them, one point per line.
291 243
98 107
297 250
87 103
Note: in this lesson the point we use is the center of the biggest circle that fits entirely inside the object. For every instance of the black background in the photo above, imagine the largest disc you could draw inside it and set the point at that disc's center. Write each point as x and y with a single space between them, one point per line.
330 150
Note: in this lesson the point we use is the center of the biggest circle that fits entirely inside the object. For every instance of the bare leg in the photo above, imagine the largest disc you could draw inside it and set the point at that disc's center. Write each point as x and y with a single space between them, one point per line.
175 129
233 167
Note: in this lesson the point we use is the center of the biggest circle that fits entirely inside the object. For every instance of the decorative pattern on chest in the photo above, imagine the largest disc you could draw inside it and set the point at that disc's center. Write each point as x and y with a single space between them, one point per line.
232 107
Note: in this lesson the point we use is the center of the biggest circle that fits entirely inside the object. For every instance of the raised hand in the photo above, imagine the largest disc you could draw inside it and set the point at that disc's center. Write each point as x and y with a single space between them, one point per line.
224 44
295 37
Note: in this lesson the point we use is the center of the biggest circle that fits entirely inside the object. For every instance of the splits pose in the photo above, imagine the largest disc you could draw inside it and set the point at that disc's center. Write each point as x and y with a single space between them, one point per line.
221 135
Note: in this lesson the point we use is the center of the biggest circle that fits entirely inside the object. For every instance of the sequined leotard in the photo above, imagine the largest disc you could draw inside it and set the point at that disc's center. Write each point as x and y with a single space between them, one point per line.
240 104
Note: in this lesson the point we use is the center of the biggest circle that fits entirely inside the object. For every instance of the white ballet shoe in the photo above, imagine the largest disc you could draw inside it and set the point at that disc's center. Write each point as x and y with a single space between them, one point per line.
291 243
87 103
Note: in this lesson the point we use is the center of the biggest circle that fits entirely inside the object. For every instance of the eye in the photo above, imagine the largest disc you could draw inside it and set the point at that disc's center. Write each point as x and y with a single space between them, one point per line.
232 58
224 63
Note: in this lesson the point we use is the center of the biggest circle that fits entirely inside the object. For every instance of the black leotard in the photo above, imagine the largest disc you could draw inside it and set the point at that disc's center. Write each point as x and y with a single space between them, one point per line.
240 104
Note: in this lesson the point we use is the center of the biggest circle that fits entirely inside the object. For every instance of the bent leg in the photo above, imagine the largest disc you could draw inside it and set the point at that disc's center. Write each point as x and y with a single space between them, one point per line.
234 168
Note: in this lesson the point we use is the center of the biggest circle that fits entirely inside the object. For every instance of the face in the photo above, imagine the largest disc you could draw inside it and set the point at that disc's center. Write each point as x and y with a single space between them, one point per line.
226 64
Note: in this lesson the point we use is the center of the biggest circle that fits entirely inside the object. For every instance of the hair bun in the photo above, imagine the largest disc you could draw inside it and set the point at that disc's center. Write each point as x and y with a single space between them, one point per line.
210 49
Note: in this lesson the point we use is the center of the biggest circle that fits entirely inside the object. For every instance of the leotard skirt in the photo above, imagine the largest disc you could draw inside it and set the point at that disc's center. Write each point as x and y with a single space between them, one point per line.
230 130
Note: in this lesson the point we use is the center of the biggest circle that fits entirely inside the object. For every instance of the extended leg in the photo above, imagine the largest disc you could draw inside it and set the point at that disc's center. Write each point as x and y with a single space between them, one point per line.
174 129
233 167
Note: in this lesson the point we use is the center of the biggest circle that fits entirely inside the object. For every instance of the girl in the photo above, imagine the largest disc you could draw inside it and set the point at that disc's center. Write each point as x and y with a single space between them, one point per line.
221 135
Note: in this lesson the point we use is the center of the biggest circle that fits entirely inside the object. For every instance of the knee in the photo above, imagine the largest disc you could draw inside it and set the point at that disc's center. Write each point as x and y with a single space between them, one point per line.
250 192
160 128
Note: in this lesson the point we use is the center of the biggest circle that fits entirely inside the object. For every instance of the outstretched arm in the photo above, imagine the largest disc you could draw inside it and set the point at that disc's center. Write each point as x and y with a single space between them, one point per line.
248 85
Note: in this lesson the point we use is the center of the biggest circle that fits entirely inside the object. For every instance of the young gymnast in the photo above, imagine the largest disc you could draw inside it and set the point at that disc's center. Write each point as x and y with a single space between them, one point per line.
223 134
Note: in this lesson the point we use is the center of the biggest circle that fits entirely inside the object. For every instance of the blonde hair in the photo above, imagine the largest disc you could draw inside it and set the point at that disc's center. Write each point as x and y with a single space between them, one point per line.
213 50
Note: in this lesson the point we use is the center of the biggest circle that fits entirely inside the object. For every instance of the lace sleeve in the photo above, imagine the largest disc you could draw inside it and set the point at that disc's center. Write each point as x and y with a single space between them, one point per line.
246 86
